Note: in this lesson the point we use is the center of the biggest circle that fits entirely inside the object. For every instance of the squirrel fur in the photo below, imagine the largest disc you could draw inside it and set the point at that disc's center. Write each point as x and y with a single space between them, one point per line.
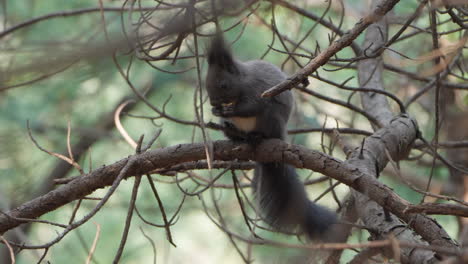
234 88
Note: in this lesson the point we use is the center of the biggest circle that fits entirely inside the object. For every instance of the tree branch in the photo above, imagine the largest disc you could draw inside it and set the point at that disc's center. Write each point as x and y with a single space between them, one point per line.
268 151
334 48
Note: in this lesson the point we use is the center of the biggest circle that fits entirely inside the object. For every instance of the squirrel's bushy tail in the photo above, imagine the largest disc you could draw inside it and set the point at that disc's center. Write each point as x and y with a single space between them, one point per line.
284 204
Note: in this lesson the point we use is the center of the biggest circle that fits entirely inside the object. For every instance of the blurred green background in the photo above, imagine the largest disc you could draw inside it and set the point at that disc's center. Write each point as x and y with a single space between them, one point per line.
91 89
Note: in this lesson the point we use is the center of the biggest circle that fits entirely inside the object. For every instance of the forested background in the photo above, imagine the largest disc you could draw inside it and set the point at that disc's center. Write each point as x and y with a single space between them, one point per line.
76 76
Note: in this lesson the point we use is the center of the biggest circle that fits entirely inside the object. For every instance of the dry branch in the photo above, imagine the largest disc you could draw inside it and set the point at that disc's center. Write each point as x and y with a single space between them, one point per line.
336 46
268 151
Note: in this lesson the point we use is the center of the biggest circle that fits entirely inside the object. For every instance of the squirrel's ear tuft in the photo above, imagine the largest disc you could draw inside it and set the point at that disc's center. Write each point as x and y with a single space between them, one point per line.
219 54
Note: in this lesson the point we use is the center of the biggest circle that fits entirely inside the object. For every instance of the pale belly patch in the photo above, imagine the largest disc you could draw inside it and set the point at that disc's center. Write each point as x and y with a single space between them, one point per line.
246 124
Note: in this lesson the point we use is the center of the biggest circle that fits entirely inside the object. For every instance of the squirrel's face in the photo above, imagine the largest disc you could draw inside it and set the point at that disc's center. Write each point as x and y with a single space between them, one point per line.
224 88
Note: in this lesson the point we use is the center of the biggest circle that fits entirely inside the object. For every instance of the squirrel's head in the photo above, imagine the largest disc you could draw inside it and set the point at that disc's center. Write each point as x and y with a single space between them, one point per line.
219 55
223 80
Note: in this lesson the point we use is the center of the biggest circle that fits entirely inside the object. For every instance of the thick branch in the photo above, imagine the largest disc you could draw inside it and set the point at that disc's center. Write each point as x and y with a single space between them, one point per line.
268 151
372 157
370 73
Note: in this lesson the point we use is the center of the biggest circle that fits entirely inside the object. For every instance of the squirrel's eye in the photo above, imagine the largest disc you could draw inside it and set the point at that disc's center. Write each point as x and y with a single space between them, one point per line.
222 86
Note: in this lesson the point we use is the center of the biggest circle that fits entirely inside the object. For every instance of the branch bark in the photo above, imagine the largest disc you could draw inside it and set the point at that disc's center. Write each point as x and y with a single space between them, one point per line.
268 151
372 158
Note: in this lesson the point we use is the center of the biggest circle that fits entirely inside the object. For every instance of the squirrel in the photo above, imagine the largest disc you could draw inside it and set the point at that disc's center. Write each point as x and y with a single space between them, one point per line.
234 89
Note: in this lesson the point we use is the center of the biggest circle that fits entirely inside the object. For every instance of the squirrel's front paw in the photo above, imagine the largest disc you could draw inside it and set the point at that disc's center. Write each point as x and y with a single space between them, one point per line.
233 133
254 138
217 111
227 112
